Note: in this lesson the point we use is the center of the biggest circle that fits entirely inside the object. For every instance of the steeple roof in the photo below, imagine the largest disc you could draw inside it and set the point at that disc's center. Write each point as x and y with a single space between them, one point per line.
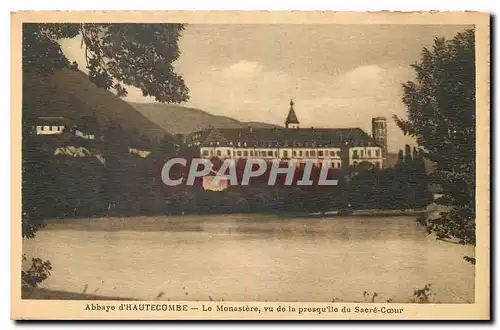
292 117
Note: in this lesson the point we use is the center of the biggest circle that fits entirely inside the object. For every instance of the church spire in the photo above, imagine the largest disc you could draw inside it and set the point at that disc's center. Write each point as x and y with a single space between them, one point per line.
291 120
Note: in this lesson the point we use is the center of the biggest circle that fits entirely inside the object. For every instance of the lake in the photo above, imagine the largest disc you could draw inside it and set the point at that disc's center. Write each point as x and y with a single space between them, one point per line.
252 257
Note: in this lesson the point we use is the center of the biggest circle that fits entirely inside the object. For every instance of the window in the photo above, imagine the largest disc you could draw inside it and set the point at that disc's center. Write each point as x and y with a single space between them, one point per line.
238 153
245 153
355 154
219 153
377 153
42 127
228 152
285 153
320 153
58 128
300 153
269 153
313 153
251 153
337 153
211 152
369 153
294 153
205 152
362 153
50 128
332 153
307 153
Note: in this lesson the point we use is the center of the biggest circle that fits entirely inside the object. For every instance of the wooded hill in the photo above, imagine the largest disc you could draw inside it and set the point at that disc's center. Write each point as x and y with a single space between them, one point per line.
69 94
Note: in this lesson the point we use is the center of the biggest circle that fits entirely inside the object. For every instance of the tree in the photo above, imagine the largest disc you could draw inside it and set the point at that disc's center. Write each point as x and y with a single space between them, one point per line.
441 117
140 55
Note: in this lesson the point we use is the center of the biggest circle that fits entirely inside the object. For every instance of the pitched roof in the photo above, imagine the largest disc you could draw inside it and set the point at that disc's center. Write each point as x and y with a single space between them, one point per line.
278 137
292 117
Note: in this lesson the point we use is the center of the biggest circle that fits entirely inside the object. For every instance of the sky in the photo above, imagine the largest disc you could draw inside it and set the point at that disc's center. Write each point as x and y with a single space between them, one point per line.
338 75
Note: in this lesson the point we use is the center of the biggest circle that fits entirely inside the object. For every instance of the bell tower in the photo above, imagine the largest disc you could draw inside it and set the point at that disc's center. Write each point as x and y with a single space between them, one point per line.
379 132
291 120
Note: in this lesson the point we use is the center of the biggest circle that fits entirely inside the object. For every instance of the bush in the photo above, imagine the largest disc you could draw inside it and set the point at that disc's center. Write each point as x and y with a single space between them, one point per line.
39 271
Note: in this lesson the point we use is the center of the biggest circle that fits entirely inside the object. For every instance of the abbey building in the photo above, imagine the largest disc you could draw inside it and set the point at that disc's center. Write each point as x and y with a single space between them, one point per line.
344 147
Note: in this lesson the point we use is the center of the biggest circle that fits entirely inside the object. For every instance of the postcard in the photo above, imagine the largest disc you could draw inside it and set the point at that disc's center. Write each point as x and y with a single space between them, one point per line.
250 166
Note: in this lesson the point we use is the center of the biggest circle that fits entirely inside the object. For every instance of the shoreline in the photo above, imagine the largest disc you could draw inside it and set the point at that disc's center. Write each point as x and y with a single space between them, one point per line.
324 214
48 294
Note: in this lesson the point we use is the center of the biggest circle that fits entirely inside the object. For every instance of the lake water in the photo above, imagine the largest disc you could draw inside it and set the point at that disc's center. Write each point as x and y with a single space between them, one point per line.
252 257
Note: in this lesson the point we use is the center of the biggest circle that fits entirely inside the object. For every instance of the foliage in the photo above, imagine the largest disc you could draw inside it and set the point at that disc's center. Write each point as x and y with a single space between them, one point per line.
423 296
441 116
38 272
140 55
399 188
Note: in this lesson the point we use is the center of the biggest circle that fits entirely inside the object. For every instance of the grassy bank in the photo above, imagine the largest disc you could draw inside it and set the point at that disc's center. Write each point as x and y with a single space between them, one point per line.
46 294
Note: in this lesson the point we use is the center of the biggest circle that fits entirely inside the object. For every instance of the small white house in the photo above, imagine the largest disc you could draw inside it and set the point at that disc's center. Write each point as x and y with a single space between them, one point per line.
49 125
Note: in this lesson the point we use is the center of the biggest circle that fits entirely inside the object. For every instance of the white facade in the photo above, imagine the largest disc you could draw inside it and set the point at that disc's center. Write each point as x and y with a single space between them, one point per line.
317 155
365 154
49 129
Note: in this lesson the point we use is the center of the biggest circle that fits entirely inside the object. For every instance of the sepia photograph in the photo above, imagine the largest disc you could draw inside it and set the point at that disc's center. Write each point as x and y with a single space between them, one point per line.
243 167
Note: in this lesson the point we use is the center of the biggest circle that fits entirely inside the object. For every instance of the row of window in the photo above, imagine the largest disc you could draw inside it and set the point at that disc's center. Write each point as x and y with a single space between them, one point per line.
270 153
56 128
244 153
269 144
369 153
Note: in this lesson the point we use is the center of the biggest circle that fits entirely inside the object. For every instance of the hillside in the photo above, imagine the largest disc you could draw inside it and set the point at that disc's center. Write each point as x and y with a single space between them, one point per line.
177 119
70 94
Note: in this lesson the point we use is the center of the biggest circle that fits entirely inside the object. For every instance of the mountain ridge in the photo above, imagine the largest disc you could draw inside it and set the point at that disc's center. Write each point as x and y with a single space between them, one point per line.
178 119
